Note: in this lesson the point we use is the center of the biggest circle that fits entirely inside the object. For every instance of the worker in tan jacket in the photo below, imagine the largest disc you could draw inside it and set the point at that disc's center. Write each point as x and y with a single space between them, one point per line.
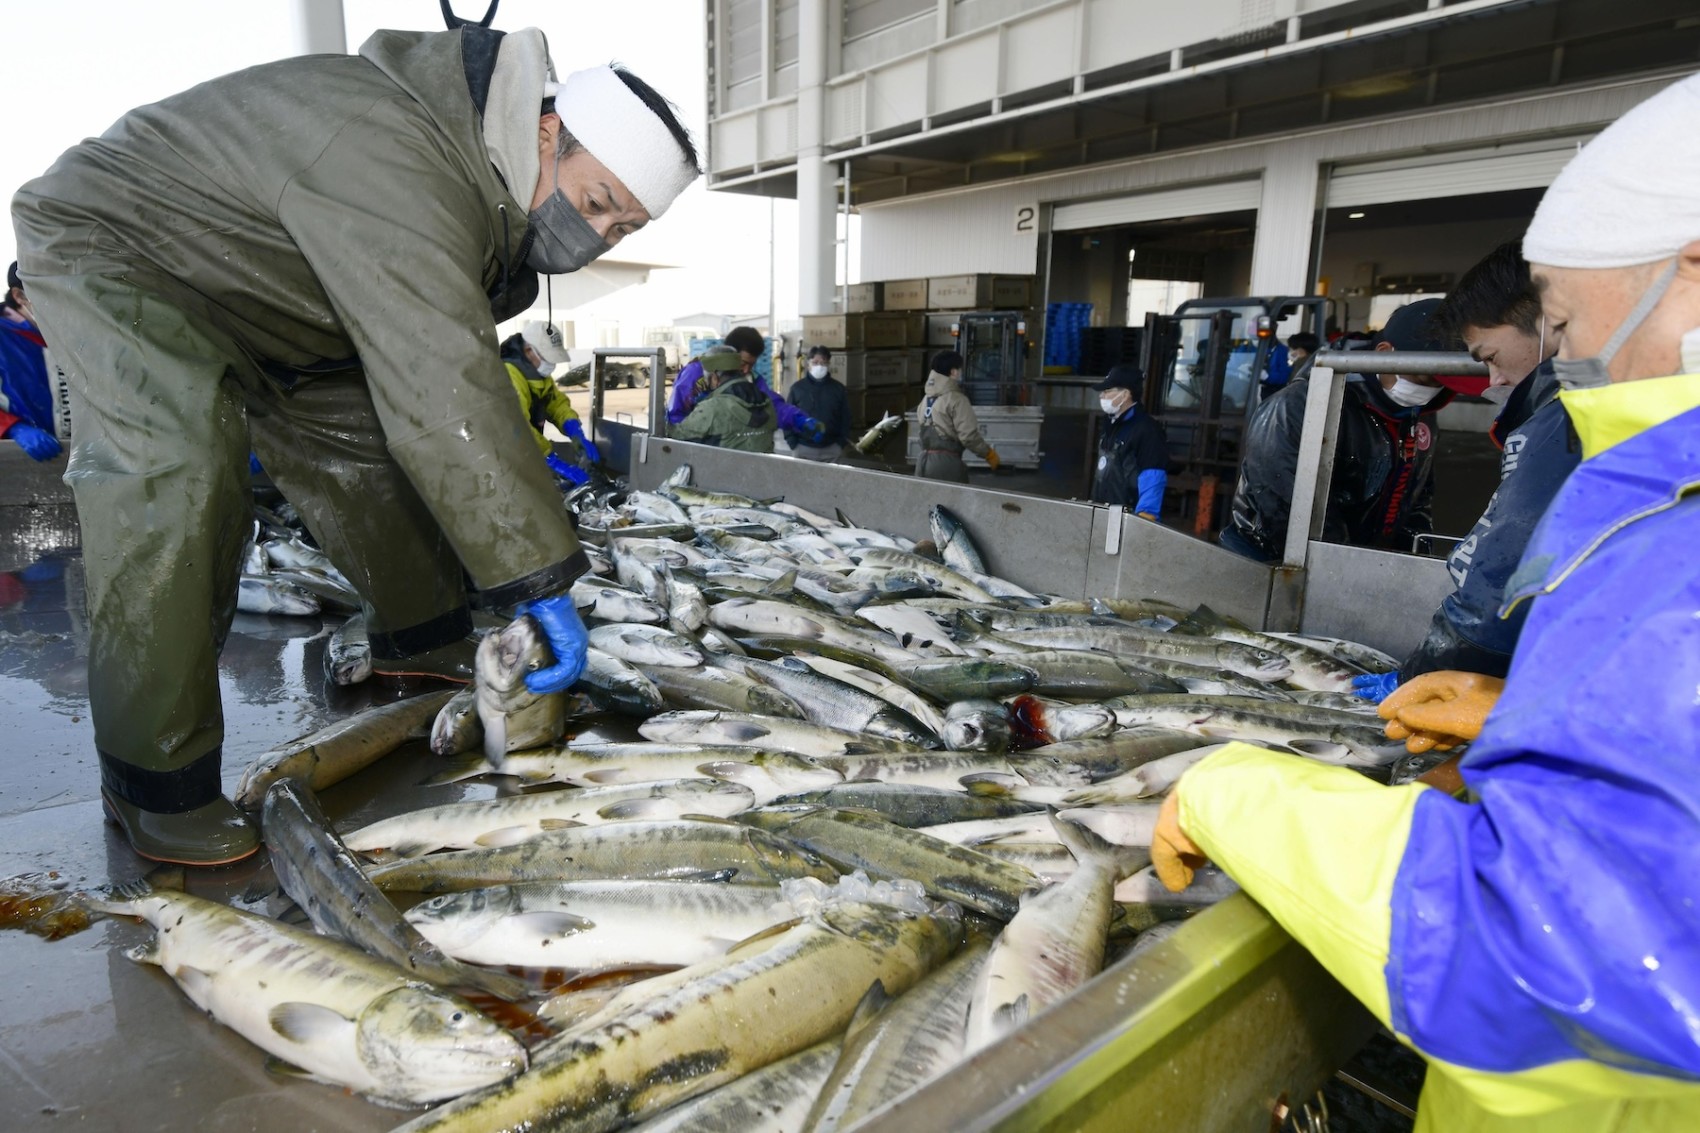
948 424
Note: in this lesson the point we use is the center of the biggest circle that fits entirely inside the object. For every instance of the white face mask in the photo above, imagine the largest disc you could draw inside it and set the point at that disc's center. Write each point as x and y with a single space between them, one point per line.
1591 373
819 372
1690 351
1108 405
1408 393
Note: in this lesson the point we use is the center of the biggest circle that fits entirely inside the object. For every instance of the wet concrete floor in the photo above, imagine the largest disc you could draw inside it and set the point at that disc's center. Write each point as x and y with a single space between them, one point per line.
88 1038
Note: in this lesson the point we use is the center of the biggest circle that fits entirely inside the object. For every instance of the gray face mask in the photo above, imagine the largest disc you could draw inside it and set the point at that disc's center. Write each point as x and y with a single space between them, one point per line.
565 241
1590 373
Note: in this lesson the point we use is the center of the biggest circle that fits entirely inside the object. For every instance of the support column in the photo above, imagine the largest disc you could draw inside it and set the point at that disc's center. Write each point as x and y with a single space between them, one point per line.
319 28
816 227
1280 256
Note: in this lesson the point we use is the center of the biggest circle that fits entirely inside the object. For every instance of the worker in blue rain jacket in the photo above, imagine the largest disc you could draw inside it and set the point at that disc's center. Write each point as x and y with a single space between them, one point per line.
1133 452
694 383
1539 944
26 394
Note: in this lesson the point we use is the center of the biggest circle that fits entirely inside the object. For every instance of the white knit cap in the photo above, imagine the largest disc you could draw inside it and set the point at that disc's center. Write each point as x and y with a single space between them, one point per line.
598 109
547 340
1632 196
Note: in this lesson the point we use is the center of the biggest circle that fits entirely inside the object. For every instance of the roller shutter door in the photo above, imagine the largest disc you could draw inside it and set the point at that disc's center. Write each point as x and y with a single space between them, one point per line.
1527 165
1196 200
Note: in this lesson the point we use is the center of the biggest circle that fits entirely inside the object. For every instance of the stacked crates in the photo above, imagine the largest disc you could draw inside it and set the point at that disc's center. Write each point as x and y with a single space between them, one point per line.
884 338
1064 323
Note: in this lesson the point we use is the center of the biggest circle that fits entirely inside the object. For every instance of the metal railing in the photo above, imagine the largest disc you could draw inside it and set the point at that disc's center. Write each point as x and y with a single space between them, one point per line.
1322 426
657 422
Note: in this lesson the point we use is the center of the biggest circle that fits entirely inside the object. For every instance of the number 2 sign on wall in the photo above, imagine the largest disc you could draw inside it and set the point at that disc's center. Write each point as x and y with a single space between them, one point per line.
1026 219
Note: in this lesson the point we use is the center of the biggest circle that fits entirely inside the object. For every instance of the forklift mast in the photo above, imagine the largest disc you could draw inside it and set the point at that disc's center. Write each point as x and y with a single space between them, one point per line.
1205 367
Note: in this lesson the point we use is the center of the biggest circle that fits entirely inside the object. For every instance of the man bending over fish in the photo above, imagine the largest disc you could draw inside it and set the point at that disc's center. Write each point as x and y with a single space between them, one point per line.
261 262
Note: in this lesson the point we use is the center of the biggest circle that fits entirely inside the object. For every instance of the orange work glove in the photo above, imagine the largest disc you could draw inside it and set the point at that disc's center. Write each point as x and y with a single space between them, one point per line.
992 459
1440 710
1173 854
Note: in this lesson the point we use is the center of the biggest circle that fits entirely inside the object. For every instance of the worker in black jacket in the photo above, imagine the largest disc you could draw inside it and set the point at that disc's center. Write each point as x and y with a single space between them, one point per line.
1383 483
1133 452
824 398
1495 313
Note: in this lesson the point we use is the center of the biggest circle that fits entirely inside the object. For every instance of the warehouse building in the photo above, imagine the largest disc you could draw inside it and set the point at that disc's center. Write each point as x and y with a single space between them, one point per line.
1129 153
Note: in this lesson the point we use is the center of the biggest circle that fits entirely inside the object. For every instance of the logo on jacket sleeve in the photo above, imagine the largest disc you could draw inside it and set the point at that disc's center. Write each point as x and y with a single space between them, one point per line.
1424 436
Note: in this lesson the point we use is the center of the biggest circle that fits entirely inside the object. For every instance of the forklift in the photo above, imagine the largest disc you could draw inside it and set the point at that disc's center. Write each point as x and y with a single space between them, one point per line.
993 345
1204 368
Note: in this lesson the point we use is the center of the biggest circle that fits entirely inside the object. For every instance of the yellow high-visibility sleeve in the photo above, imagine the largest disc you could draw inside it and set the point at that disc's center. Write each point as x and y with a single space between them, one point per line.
1317 846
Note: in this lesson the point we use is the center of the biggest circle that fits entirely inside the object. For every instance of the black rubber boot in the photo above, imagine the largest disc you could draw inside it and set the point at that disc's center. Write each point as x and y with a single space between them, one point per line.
451 663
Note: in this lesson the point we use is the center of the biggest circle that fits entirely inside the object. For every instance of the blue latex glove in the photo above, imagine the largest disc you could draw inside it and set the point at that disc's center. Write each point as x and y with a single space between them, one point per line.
254 464
571 473
567 637
575 431
813 431
37 443
1375 687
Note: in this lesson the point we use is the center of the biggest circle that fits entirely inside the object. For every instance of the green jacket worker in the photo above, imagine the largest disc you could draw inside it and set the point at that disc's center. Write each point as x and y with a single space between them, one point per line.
1537 941
949 425
530 357
732 411
309 258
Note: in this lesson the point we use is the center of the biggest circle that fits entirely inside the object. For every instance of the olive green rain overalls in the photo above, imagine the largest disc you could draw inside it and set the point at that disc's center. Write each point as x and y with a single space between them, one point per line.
301 257
949 426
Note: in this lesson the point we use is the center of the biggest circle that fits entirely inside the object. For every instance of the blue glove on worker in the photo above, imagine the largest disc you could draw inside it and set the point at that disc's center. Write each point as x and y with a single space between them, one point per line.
1375 687
567 638
575 431
254 468
39 444
813 431
571 473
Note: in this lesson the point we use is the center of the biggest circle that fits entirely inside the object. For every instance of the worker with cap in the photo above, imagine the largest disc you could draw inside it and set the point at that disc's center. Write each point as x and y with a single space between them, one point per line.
1382 489
824 399
1495 314
733 412
1537 943
273 255
531 357
949 425
691 386
26 395
1133 451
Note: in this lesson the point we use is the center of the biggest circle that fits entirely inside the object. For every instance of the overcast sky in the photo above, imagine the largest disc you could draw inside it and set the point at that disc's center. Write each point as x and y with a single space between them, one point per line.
74 66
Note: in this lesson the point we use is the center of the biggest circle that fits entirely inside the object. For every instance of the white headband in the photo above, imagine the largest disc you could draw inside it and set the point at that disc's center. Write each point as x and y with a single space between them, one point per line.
1630 197
598 109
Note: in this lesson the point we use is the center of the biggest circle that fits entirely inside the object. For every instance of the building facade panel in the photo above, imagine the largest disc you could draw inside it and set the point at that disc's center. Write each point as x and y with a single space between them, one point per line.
973 229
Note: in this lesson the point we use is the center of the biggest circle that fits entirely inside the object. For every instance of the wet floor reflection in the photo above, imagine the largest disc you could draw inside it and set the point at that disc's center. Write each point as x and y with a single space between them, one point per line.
85 1032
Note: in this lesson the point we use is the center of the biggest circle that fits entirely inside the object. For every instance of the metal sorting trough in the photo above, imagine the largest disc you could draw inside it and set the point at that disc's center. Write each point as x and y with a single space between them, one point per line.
1227 1022
1214 1028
